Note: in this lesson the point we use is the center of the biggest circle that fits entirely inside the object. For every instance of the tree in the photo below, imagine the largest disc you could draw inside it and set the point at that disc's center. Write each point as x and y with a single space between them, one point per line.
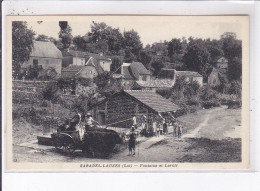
116 64
231 46
145 58
157 64
235 88
42 37
108 36
80 42
98 47
49 93
232 49
191 89
197 57
178 88
175 47
102 80
65 34
234 71
114 41
132 45
82 103
22 45
215 49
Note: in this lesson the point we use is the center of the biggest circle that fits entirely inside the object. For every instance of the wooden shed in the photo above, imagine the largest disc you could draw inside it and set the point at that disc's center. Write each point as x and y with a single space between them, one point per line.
118 110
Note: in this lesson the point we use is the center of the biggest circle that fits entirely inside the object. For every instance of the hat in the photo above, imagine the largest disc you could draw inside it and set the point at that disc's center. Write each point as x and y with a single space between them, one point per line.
88 114
132 128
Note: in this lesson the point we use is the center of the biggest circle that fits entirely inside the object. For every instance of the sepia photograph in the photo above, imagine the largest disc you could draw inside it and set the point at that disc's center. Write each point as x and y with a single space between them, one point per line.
127 92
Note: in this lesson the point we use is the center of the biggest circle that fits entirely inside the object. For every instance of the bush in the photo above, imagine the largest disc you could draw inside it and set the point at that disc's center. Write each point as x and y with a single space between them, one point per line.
210 103
44 104
207 93
165 92
234 104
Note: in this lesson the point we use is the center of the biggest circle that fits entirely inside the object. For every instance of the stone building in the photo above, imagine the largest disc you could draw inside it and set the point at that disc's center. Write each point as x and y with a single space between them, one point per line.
44 55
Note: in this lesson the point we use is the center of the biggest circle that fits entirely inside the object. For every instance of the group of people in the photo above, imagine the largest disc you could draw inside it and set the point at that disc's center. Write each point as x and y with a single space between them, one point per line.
177 129
154 126
78 123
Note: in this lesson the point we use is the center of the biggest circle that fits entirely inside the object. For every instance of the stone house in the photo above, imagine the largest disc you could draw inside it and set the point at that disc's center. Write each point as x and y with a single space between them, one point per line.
190 76
79 58
216 77
222 64
44 55
72 57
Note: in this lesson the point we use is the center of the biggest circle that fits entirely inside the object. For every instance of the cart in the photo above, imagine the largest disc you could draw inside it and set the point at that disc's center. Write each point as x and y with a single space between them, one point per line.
98 142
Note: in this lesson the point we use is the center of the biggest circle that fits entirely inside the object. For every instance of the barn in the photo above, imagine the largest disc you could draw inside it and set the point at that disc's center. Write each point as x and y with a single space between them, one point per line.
118 110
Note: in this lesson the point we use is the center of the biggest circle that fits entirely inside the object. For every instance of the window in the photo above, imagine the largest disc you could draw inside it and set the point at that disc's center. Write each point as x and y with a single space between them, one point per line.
35 62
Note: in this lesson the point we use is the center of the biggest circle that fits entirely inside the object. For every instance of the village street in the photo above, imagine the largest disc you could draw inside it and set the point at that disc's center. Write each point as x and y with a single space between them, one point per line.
214 137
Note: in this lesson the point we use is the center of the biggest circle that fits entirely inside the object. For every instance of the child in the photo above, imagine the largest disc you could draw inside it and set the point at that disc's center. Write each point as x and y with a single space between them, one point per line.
131 143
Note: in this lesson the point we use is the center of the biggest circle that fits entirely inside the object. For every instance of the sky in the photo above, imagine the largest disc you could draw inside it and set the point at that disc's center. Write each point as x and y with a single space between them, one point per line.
150 28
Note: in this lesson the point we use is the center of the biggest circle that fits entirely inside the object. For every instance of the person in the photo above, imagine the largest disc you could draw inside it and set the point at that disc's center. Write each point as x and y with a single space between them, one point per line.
179 130
144 122
158 129
165 128
74 122
134 122
90 121
154 127
64 126
131 143
175 127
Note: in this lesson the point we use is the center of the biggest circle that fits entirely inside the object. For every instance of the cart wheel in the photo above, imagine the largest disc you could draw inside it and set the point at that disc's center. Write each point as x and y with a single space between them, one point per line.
64 142
70 149
58 143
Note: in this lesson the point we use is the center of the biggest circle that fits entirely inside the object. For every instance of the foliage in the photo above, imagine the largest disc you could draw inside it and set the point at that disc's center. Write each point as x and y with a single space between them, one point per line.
31 73
132 45
235 88
234 104
65 34
47 74
234 69
231 46
116 64
215 49
22 45
165 92
42 37
191 89
175 47
207 93
49 93
232 49
210 103
82 103
107 85
179 87
157 64
102 80
80 42
197 57
145 58
108 39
